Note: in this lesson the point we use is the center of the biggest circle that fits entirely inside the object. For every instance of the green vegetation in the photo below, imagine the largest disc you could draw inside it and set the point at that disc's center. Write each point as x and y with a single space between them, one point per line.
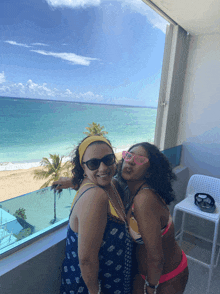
95 129
53 169
20 213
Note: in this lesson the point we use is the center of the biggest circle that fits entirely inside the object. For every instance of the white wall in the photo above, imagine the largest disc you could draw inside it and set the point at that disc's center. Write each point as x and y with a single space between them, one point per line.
199 128
39 275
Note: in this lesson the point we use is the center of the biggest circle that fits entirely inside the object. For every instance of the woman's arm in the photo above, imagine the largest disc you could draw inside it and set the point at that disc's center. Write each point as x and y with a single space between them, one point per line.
124 194
63 183
146 213
92 219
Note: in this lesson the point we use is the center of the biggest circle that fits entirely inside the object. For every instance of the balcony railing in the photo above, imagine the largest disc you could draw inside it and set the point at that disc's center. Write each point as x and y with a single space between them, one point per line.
43 212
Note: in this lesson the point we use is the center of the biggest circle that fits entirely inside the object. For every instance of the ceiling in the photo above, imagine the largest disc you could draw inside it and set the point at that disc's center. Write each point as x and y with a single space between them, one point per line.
195 16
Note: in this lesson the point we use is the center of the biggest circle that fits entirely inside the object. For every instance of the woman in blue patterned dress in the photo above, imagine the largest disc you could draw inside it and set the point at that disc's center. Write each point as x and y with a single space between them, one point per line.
98 245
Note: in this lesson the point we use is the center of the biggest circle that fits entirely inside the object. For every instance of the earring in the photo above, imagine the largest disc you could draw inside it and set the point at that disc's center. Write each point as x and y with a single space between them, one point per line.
84 175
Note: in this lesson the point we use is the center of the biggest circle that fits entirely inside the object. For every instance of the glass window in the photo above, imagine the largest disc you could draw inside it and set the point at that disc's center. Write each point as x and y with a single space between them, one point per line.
65 67
27 215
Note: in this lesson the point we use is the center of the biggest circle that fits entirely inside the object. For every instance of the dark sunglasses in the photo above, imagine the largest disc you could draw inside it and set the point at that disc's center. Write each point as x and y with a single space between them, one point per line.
205 202
94 163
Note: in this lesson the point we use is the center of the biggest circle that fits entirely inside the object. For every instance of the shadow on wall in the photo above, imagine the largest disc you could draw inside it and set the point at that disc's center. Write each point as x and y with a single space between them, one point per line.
179 186
201 154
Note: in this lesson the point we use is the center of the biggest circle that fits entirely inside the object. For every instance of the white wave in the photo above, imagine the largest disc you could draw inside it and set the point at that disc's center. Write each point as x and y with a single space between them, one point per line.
16 166
4 166
23 165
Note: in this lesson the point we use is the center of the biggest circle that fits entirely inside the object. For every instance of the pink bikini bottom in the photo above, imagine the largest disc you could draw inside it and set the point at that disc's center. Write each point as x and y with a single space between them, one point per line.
183 264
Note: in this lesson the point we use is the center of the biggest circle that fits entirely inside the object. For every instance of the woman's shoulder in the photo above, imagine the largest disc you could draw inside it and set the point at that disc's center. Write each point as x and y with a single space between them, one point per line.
93 192
148 198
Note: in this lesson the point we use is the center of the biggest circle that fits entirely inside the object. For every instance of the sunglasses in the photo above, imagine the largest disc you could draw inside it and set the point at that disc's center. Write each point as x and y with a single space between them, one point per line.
139 160
94 163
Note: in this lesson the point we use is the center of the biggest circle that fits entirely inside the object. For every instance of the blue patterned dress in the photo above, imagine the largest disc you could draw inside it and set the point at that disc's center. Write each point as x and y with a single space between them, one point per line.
115 260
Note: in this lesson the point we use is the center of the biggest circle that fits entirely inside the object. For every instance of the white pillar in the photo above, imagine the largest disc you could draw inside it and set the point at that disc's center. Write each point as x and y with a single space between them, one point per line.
171 87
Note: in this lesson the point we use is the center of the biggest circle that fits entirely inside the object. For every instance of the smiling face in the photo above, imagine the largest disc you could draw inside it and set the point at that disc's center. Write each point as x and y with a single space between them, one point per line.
132 171
103 175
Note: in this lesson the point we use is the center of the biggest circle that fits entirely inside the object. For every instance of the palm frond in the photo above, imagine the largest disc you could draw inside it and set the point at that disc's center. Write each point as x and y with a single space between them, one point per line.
40 174
52 169
95 129
67 165
45 162
56 160
87 133
46 184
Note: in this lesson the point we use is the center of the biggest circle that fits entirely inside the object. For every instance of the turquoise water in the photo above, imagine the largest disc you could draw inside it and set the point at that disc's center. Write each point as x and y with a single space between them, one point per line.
31 129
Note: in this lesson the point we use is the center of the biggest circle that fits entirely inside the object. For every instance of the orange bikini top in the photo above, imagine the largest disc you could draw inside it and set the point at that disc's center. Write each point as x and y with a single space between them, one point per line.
133 226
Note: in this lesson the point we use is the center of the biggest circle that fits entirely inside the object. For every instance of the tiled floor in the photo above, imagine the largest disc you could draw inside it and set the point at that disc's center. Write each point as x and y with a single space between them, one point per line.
198 274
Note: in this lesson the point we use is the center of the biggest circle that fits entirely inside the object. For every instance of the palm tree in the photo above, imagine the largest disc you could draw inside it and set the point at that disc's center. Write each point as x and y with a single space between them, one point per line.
95 129
52 169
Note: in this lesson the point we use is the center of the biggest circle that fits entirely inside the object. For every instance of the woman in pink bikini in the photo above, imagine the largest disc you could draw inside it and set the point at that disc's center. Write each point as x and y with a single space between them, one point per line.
161 264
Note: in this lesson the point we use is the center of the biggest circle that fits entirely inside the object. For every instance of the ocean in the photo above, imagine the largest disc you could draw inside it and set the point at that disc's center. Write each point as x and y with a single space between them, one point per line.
31 129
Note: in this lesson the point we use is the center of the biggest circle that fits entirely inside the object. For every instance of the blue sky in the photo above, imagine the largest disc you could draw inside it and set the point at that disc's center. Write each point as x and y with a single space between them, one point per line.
81 50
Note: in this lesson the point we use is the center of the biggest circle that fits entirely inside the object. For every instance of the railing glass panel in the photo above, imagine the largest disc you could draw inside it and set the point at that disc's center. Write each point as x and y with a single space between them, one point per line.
29 215
25 217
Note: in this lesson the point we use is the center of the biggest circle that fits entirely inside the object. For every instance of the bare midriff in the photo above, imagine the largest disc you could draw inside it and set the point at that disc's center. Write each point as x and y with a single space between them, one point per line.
171 251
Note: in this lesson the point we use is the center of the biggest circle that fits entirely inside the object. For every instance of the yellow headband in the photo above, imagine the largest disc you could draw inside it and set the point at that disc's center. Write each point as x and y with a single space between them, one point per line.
87 142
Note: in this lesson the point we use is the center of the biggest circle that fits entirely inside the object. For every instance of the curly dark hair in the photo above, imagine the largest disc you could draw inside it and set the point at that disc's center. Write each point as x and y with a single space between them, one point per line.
77 170
159 175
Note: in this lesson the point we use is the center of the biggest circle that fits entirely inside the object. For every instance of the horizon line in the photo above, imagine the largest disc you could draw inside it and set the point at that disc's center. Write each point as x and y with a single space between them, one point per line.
94 103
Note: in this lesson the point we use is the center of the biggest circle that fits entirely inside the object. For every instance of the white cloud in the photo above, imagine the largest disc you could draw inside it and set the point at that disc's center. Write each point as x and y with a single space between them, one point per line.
17 44
2 77
134 5
68 92
89 96
39 44
40 90
73 3
71 57
43 91
140 7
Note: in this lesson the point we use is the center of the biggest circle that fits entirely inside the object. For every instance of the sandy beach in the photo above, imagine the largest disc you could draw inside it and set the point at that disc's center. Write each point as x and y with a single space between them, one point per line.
14 183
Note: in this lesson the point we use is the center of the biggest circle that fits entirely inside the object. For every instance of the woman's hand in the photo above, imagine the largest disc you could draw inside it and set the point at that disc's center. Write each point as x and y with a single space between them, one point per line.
62 183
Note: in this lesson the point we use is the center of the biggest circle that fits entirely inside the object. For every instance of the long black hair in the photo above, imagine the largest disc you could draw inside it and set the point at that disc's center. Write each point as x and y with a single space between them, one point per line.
159 175
77 171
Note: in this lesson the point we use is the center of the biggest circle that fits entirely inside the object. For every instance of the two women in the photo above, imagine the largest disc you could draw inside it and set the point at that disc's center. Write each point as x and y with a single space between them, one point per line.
161 264
98 245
